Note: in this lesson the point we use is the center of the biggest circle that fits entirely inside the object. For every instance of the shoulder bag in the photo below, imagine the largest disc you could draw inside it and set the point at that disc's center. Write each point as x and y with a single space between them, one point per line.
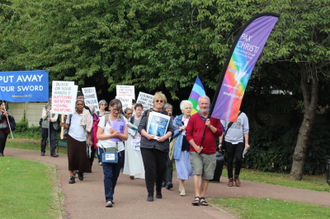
223 148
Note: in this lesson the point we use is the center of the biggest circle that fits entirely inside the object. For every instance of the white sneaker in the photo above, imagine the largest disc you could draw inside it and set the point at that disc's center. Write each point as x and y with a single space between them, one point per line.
100 163
183 193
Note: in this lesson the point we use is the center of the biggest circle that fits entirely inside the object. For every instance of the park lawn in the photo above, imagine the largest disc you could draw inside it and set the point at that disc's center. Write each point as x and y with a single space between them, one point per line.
246 207
30 144
27 189
310 182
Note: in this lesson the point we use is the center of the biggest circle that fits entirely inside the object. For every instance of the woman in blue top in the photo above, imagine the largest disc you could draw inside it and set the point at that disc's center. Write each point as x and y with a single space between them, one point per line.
111 133
182 147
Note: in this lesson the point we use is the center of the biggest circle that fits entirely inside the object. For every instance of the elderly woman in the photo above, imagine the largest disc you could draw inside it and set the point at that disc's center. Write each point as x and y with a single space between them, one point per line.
111 133
4 131
128 113
133 159
102 106
154 151
78 124
182 147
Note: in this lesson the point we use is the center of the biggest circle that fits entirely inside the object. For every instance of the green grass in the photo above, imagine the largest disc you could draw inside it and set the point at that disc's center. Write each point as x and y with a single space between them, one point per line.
30 145
316 183
270 208
27 189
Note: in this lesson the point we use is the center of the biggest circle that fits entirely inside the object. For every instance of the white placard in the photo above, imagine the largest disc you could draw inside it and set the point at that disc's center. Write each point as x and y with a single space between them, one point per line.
125 91
64 95
126 102
146 100
90 97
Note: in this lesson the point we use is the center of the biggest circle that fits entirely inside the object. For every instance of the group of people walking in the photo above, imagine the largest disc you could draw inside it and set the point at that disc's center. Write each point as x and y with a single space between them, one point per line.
122 141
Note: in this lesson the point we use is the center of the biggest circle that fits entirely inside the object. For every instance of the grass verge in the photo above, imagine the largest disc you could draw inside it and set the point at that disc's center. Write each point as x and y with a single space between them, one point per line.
27 189
315 183
269 208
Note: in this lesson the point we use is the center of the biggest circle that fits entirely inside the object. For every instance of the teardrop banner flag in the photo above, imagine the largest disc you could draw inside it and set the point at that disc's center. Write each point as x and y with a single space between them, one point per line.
237 70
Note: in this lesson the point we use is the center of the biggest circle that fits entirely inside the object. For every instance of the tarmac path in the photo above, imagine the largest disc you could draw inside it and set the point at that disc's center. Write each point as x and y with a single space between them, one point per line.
85 199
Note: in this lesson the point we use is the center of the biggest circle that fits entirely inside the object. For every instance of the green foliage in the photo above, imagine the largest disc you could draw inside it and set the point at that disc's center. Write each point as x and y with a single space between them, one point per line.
272 148
23 125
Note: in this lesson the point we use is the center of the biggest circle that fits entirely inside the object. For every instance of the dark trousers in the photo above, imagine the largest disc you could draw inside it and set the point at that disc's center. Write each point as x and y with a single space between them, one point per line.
44 136
111 173
3 139
234 150
169 170
92 154
154 164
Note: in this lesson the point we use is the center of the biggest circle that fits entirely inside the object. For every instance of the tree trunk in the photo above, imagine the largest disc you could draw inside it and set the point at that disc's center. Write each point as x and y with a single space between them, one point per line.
310 104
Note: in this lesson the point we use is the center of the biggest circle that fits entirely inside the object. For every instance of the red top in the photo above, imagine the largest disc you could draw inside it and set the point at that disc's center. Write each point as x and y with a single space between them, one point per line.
4 120
195 130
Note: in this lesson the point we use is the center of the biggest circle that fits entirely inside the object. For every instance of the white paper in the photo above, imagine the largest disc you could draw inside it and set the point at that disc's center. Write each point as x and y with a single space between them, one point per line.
90 97
244 152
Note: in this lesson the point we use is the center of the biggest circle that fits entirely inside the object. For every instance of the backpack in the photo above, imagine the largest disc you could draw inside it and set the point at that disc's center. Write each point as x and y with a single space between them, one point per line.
94 130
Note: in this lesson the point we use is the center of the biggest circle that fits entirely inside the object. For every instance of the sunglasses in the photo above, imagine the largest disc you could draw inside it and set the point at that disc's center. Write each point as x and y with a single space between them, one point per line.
159 101
129 113
116 109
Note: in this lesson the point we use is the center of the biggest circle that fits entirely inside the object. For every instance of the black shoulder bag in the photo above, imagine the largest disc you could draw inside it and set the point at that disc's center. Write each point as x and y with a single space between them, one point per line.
223 148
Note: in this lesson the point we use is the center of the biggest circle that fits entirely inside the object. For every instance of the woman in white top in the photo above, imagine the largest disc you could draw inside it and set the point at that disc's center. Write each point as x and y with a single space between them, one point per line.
133 159
111 133
76 140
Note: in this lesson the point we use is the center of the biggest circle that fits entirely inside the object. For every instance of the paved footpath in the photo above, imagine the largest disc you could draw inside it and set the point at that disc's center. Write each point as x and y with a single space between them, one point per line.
85 199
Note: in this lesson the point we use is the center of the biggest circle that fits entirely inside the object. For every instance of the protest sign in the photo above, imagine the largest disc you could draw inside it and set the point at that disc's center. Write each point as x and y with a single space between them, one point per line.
125 101
90 97
125 91
24 86
146 100
64 97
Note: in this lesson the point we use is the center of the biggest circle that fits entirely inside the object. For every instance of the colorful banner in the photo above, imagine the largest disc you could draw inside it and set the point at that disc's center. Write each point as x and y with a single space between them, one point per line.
24 86
196 92
243 56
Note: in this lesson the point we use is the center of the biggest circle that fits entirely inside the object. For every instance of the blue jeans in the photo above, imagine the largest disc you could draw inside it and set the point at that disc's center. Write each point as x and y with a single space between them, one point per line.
99 154
111 172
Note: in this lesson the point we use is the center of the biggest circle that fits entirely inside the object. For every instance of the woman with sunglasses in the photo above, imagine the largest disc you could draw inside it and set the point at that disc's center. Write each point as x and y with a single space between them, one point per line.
154 151
111 133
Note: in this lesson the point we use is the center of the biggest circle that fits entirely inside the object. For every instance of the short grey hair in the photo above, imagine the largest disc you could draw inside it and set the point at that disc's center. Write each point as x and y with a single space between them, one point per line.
168 106
92 109
103 101
184 102
204 97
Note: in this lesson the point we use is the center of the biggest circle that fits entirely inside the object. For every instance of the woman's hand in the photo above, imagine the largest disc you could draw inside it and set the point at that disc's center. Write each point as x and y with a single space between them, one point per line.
161 139
149 137
182 128
66 126
5 113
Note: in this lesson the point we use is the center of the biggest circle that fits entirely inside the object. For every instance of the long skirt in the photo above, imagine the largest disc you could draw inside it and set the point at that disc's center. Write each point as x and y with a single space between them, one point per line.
183 166
133 160
77 155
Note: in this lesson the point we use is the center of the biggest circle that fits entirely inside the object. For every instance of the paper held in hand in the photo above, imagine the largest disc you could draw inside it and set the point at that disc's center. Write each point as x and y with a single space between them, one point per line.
244 152
157 124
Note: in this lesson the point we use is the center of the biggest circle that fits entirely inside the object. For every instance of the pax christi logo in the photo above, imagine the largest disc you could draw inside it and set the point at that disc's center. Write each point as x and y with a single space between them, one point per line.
239 74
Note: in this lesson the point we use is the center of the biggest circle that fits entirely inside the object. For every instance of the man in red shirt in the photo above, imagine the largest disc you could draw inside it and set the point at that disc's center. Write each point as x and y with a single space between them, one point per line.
202 157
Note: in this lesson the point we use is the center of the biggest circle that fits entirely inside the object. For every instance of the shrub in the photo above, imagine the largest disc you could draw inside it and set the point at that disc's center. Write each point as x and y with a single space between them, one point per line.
272 149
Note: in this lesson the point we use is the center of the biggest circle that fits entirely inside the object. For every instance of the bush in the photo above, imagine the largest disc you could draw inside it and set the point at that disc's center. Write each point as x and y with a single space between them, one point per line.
272 149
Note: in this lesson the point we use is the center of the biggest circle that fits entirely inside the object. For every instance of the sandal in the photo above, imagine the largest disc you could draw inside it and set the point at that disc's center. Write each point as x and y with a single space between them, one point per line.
196 201
203 202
